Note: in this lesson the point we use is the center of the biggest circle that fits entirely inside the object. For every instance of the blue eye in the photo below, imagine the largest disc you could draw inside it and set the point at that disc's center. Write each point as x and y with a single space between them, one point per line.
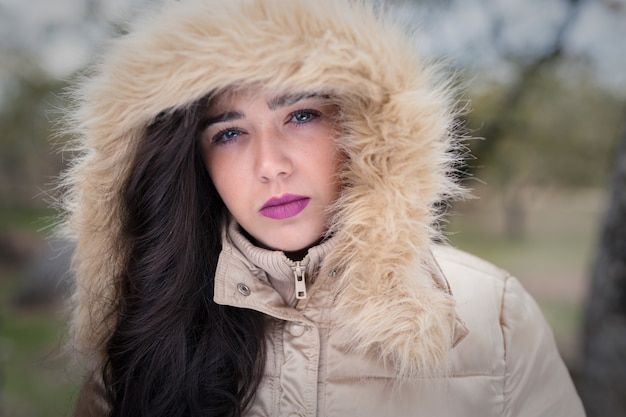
304 116
225 136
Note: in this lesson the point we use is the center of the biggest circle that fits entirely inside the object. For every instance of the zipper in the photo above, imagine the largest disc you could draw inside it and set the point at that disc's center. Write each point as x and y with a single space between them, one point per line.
300 280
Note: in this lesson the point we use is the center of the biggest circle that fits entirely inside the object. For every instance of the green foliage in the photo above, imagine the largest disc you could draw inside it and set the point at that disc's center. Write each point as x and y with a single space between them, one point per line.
562 133
28 162
37 220
36 379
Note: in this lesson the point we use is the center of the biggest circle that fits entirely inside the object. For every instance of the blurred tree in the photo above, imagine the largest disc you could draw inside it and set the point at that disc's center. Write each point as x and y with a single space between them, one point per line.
560 136
604 343
540 128
537 130
27 163
507 120
528 68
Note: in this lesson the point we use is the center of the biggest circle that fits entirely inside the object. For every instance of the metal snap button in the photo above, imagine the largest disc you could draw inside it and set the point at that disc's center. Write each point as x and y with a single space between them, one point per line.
243 289
296 329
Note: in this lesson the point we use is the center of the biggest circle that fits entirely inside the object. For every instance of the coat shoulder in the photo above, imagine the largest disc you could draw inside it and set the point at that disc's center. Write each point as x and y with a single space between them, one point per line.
473 281
478 288
508 339
455 263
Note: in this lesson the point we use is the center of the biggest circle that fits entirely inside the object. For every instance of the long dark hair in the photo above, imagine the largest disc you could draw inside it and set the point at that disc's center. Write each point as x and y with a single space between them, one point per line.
174 352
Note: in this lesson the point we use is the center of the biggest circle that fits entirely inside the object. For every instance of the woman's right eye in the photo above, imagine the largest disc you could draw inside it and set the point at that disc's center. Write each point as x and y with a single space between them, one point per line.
225 136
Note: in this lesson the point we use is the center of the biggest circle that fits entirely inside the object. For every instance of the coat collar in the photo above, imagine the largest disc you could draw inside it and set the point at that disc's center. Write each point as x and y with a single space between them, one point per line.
242 283
274 266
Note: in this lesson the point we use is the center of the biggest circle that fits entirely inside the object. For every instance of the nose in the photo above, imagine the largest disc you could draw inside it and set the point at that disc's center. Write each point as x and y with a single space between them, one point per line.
272 157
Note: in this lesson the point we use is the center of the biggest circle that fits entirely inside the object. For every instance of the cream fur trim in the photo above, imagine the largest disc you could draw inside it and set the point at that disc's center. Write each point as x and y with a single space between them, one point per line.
396 143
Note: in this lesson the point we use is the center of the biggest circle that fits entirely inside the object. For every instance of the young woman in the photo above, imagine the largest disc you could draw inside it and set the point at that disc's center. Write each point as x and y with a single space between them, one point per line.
254 204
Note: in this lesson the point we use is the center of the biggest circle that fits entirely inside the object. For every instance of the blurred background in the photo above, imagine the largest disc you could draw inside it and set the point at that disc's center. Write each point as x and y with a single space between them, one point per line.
546 84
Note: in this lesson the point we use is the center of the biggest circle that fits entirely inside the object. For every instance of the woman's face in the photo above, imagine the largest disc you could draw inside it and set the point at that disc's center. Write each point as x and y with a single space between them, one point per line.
274 162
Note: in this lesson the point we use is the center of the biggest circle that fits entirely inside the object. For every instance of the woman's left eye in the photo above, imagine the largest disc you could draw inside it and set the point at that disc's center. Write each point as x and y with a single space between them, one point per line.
303 116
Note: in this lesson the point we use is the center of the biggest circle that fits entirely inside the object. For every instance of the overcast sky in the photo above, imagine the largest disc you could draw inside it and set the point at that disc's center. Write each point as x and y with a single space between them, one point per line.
64 35
464 32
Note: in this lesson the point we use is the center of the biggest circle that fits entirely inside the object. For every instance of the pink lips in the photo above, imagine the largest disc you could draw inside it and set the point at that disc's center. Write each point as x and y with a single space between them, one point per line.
285 206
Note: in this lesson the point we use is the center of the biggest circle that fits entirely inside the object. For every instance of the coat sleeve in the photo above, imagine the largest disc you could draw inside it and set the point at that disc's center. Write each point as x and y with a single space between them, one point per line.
537 383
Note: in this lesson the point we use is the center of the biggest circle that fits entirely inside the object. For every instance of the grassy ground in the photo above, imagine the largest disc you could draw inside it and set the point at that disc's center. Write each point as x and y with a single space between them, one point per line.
36 379
552 261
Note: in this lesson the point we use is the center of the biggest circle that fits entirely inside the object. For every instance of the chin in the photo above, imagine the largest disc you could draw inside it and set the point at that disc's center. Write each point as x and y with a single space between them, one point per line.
295 245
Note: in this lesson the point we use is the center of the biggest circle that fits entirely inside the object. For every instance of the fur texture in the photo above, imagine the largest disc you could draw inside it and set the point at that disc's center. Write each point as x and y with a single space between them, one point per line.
397 135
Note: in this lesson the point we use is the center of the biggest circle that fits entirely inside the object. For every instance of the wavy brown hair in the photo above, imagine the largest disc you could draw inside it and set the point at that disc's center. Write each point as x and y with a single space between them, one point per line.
174 351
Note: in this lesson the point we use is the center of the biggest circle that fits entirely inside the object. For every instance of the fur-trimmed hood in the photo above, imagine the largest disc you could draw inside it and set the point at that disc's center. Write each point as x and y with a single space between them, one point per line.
397 138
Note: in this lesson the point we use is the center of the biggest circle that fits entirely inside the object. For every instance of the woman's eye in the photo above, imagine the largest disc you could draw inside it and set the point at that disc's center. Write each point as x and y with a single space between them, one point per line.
225 136
304 116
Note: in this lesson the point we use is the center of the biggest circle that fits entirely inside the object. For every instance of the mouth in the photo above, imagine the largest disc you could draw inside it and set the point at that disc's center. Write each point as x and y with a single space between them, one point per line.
285 206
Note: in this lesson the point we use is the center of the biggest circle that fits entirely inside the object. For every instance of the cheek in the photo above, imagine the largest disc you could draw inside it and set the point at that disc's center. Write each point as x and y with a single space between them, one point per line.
335 164
218 170
229 180
329 158
221 177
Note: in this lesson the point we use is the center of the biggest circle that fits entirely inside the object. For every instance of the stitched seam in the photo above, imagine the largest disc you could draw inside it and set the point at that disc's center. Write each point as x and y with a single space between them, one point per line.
385 378
279 328
505 346
324 327
491 270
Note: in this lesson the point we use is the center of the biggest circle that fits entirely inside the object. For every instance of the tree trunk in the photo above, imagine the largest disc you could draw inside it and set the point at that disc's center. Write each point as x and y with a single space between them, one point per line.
603 373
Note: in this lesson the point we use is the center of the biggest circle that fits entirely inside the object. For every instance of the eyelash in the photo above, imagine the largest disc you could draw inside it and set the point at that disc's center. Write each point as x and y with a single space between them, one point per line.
312 115
219 139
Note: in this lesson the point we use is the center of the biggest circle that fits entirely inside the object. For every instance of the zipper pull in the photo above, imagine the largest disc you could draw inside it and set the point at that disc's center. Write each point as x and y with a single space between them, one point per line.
298 273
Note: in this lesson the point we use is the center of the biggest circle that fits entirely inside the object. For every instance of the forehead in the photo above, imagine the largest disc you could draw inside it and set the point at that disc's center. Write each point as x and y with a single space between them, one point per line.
233 99
230 98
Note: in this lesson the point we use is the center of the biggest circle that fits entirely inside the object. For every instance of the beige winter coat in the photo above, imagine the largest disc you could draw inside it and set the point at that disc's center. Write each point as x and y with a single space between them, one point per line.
400 343
504 361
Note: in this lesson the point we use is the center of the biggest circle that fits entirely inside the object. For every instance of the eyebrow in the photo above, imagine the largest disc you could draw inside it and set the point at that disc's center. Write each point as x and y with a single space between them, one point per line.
224 117
273 104
289 99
